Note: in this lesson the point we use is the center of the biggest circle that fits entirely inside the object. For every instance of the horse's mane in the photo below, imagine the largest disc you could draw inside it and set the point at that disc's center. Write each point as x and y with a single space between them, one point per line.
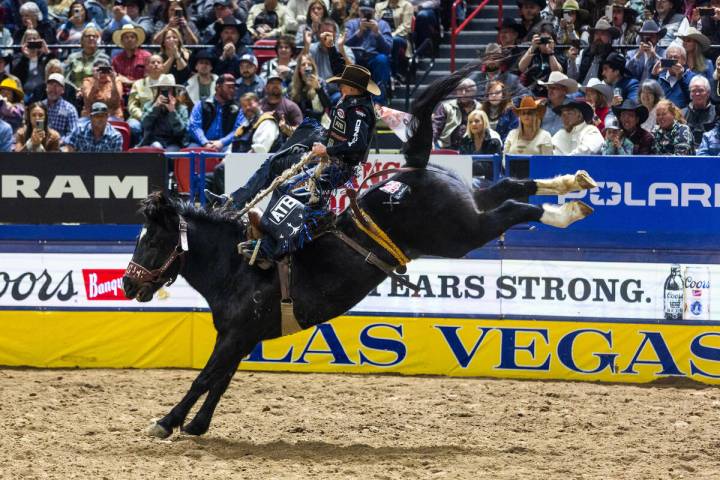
419 145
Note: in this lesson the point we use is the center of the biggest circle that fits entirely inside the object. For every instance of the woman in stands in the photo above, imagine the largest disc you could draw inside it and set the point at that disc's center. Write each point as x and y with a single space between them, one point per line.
71 31
672 135
35 135
29 64
695 44
529 138
176 17
600 95
316 13
650 94
498 105
284 64
175 56
480 139
308 90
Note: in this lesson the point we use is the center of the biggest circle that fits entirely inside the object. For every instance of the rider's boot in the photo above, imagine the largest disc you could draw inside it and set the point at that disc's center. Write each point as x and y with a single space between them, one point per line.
257 249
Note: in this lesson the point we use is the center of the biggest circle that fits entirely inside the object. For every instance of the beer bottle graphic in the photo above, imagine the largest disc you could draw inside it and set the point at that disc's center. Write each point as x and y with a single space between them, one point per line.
673 295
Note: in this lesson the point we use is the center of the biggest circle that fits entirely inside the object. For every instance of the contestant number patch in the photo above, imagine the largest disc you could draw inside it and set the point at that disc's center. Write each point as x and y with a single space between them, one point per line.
396 189
339 125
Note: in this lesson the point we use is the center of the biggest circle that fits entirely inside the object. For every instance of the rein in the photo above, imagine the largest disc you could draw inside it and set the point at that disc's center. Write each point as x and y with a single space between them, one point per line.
143 275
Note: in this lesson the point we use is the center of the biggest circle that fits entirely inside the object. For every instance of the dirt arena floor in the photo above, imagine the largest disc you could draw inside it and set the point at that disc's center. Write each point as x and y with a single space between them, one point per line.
90 424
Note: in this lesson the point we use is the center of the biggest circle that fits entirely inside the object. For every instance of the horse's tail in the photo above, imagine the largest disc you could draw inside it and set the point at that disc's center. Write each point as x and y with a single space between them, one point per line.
418 147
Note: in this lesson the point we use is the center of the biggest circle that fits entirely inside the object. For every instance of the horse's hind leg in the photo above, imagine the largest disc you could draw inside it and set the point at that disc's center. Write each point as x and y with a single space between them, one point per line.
563 184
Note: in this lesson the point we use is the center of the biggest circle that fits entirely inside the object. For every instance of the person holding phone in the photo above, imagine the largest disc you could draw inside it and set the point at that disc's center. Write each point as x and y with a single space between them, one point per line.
31 19
642 60
330 54
372 42
29 63
539 60
175 16
35 135
673 75
165 119
309 91
267 19
71 31
105 87
570 20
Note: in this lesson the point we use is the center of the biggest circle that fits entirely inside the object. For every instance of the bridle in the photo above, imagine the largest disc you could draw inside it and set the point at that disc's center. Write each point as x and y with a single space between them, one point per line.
137 272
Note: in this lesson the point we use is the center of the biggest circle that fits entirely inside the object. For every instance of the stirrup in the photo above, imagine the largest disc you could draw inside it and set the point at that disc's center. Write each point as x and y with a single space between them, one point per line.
250 249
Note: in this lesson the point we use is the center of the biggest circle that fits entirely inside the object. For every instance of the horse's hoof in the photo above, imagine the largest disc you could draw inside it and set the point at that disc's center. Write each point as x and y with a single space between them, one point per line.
584 180
584 208
158 431
193 428
566 214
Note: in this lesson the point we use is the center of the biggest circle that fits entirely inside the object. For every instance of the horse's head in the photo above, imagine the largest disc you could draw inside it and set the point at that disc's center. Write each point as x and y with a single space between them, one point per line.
159 250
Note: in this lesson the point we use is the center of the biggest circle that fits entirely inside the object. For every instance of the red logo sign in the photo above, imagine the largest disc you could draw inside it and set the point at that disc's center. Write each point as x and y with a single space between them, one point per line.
104 284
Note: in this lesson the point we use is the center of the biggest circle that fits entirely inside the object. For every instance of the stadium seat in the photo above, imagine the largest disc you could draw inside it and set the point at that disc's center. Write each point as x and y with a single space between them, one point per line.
146 150
181 167
445 151
264 54
124 130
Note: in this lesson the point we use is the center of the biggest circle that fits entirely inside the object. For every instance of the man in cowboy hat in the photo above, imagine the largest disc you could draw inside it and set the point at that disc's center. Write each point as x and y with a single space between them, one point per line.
228 48
631 115
588 62
165 120
578 135
571 20
495 67
509 34
129 65
614 73
642 60
668 14
623 18
558 87
530 16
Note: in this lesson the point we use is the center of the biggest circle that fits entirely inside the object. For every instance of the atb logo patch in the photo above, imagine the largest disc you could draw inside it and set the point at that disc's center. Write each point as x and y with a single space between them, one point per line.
283 209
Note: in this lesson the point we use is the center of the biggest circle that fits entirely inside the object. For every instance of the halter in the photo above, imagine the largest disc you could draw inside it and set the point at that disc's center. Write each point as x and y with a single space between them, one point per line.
143 275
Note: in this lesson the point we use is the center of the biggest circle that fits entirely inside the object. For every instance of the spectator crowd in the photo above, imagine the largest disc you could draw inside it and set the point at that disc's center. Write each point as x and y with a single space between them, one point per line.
591 77
107 75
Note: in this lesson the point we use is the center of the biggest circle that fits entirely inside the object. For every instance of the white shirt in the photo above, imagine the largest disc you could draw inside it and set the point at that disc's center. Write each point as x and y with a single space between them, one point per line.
583 139
264 136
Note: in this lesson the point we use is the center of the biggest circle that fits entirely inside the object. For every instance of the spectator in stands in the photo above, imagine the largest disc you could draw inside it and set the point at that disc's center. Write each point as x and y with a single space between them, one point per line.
341 11
298 14
249 80
449 120
710 25
228 46
642 60
709 146
130 63
631 116
32 19
218 12
175 55
599 95
372 39
62 116
202 84
695 43
624 18
141 94
98 12
79 65
11 103
650 94
509 34
36 135
539 60
330 55
267 19
674 80
105 87
134 10
558 87
530 16
480 139
614 73
427 27
5 60
588 64
497 104
258 132
578 135
6 136
165 119
529 138
39 93
672 135
285 110
700 114
571 19
615 141
316 12
284 63
495 67
176 17
214 121
308 90
399 15
71 31
29 64
116 21
95 136
668 15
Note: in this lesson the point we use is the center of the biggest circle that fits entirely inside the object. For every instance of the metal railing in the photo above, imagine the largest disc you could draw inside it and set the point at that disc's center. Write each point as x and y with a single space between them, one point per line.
197 175
455 30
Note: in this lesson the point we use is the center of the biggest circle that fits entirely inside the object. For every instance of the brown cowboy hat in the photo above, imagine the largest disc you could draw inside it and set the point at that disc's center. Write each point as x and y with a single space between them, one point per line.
358 77
529 103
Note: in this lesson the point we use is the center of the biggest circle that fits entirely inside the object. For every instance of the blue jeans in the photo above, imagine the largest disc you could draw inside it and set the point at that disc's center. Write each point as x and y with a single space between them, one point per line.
427 26
399 60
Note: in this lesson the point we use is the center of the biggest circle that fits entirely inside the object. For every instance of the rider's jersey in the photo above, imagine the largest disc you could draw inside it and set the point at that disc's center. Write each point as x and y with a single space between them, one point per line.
352 125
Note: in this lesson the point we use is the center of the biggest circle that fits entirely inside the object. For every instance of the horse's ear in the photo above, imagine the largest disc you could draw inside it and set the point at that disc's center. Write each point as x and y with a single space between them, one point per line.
157 207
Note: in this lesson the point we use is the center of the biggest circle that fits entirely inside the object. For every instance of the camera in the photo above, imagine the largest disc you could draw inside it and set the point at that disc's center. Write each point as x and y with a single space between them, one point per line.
566 17
165 92
307 71
368 15
545 40
105 69
35 44
39 125
706 11
179 13
667 62
77 11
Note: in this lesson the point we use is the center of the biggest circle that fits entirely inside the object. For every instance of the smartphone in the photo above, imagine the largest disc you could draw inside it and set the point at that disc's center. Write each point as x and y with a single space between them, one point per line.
35 44
105 69
566 17
617 92
39 125
179 13
706 11
165 92
667 62
544 40
368 16
608 11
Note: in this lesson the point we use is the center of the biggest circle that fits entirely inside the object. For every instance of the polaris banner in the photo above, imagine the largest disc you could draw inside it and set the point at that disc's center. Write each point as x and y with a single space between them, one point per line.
44 188
671 201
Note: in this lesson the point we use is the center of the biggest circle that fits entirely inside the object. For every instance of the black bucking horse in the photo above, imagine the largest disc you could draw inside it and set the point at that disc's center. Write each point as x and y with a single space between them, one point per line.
433 212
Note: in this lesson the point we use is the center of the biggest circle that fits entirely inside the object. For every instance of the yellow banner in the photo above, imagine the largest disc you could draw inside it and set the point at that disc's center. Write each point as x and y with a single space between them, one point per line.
612 352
